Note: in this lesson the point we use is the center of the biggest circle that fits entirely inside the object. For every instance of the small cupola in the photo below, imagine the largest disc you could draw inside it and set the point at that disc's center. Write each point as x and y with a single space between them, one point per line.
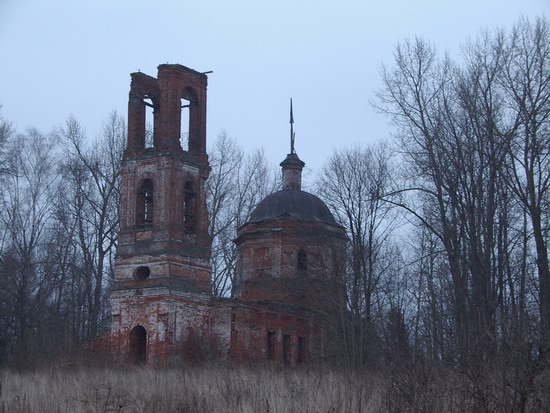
292 172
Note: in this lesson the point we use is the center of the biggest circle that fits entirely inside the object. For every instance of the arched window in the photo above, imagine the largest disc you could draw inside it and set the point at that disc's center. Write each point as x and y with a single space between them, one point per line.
145 202
184 122
149 104
302 262
138 345
190 119
189 204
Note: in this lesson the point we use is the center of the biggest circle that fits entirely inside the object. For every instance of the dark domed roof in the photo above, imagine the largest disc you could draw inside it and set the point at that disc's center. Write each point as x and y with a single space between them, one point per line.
292 203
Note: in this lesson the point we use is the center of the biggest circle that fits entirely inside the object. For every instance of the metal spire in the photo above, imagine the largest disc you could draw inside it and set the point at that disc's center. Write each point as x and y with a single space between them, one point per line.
291 129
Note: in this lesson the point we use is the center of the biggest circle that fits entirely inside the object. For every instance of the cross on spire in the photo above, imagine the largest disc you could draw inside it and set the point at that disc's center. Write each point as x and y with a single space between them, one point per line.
292 135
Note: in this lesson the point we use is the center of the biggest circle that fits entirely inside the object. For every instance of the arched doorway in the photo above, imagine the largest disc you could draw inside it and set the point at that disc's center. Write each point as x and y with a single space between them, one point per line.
138 345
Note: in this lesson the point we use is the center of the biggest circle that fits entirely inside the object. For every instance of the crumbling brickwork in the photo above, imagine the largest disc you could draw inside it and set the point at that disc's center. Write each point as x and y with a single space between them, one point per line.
290 257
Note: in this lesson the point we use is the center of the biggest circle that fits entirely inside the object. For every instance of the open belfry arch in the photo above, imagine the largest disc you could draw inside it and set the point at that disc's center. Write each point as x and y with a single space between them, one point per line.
289 289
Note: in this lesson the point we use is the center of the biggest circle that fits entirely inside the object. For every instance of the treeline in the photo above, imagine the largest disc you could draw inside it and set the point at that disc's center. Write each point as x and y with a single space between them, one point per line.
469 174
448 223
59 223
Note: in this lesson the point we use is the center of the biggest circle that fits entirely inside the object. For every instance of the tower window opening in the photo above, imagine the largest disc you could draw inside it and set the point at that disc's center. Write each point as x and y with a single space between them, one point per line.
149 123
138 344
302 261
286 348
301 349
145 203
141 273
270 345
184 122
189 199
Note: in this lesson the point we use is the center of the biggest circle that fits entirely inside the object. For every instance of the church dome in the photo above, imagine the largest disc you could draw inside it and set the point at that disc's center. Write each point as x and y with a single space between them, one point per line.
295 204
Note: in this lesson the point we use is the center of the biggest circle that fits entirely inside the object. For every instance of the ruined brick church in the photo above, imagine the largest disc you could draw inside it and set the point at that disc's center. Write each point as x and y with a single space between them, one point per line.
290 254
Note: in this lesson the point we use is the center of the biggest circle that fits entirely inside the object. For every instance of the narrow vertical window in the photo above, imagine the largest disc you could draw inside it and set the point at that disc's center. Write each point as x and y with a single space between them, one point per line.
270 345
184 123
144 211
301 349
286 348
191 120
189 200
302 262
149 122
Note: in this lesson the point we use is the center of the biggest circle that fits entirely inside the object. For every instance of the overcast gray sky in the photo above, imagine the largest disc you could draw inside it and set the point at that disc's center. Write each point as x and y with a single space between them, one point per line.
61 57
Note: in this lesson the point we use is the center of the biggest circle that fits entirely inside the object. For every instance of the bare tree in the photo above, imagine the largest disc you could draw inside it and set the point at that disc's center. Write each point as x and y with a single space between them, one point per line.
475 144
236 184
427 271
27 204
6 131
352 184
455 138
526 81
93 176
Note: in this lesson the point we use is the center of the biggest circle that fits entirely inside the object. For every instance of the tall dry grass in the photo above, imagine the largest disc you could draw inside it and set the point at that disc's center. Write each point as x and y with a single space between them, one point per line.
228 388
197 389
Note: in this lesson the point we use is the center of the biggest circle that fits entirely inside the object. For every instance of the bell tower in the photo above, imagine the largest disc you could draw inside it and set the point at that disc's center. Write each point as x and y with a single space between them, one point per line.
162 272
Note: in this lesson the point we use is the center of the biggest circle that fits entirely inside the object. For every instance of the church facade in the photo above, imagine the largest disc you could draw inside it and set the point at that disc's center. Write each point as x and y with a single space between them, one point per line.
289 290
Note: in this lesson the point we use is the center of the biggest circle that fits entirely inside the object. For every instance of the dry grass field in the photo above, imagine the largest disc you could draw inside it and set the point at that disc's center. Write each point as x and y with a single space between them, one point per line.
197 389
225 388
